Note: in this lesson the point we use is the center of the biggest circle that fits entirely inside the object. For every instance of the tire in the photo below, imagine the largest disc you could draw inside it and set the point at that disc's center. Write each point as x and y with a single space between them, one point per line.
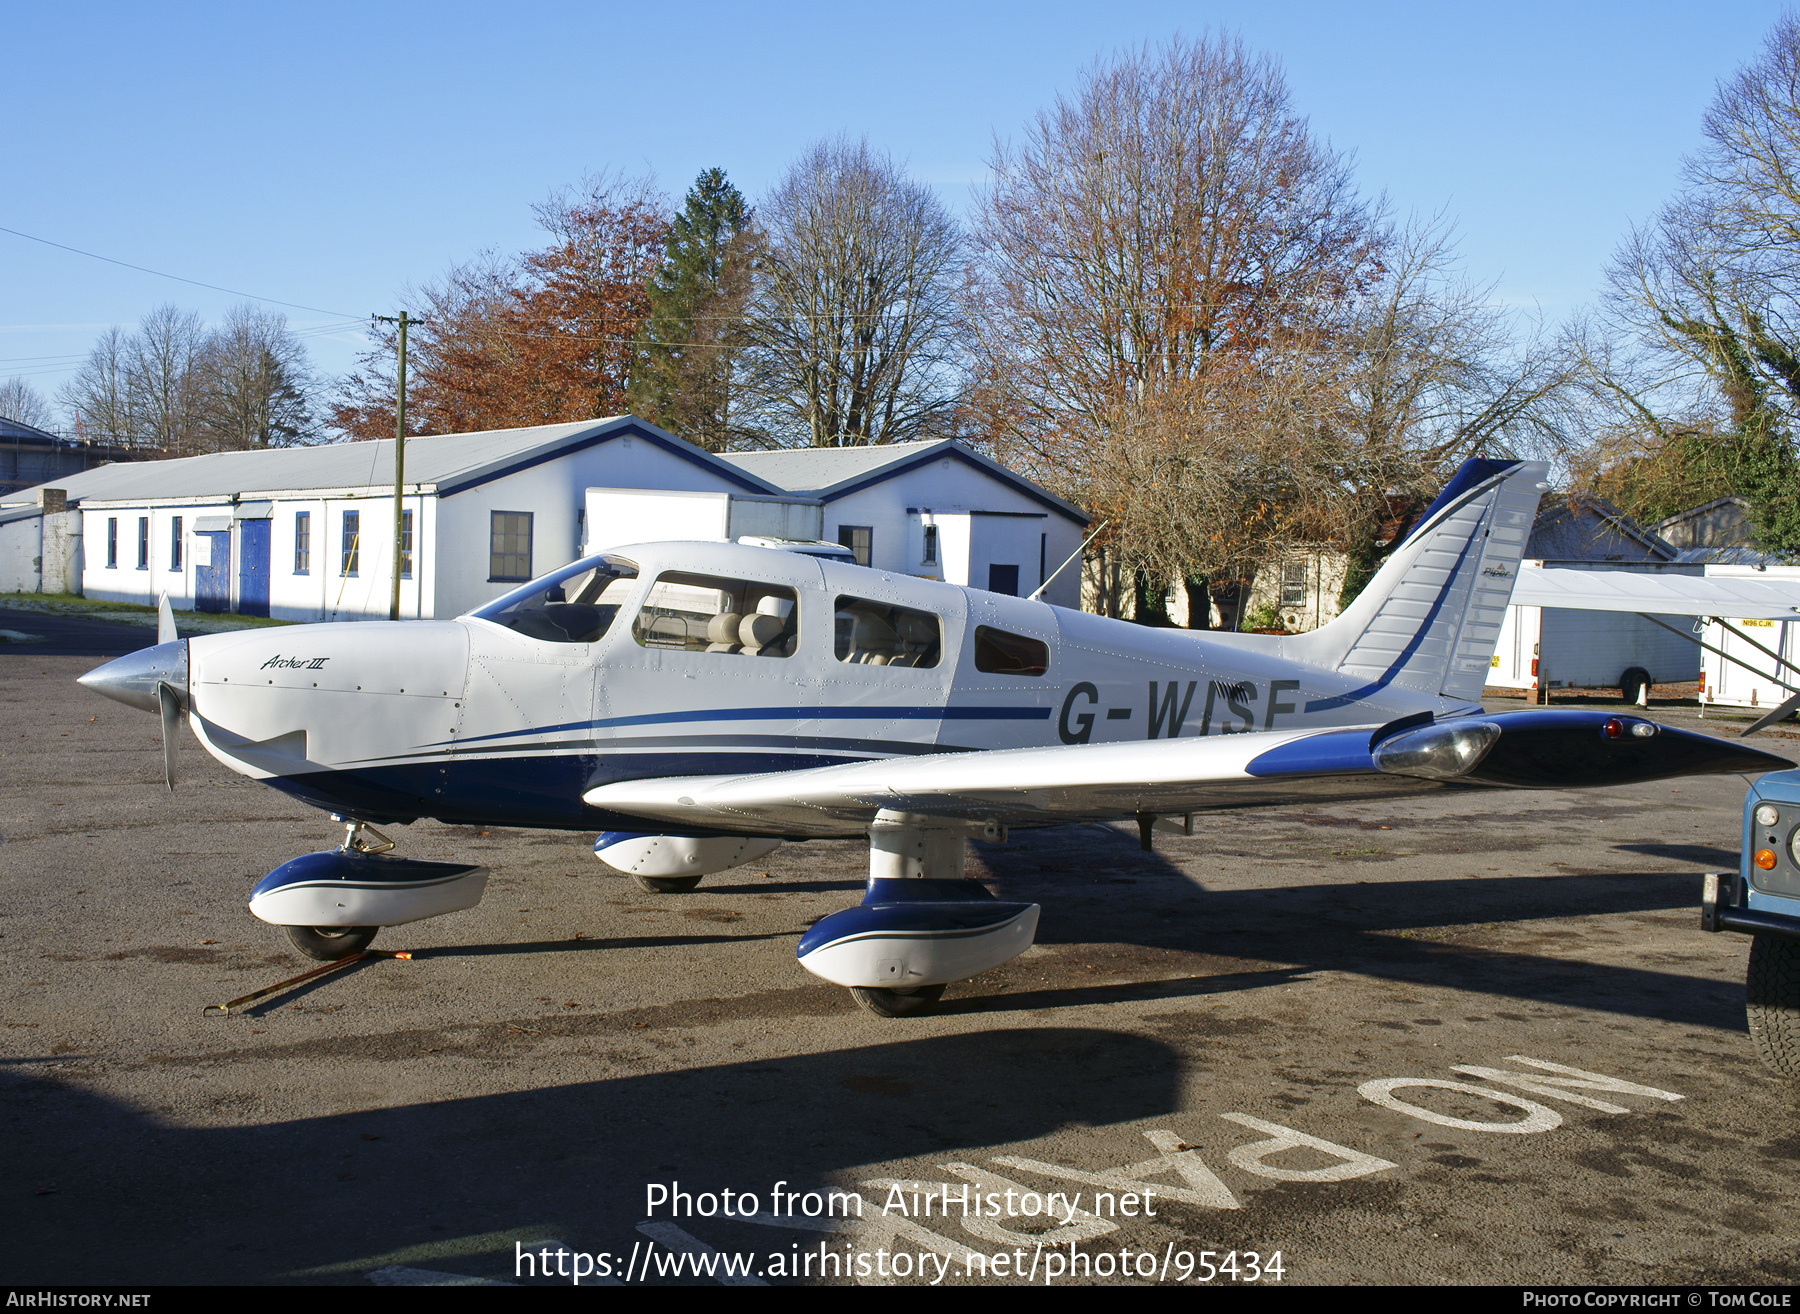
897 1003
1772 1003
330 943
667 884
1635 679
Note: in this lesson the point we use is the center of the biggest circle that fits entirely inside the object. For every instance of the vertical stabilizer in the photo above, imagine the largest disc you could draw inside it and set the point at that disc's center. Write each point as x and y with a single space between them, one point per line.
1430 617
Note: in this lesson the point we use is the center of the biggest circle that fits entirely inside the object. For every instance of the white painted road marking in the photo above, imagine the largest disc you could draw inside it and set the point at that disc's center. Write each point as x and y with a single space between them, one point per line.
1203 1185
1250 1157
1537 1118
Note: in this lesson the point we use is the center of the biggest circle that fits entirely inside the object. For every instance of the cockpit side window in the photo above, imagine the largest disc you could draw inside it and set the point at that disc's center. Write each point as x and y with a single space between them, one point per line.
876 634
576 604
708 613
1000 653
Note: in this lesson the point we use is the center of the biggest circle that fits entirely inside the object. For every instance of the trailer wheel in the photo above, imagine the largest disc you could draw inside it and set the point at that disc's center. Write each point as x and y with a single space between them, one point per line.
1635 681
1772 1003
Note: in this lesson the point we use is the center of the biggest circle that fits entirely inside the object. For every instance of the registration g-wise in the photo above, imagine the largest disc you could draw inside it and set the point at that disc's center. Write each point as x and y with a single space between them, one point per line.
697 704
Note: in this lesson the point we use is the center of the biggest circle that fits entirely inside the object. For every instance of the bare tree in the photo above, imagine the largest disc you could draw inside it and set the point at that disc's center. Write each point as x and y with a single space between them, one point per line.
99 399
160 361
24 403
253 382
1429 371
1711 294
1161 257
852 334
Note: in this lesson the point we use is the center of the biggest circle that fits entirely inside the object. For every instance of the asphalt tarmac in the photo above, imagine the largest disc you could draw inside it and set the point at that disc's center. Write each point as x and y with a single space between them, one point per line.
1260 1035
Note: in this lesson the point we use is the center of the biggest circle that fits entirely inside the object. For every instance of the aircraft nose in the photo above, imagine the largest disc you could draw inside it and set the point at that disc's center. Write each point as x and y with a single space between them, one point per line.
132 679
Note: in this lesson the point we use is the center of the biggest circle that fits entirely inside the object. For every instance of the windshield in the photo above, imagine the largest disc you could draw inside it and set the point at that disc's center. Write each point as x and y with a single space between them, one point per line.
573 605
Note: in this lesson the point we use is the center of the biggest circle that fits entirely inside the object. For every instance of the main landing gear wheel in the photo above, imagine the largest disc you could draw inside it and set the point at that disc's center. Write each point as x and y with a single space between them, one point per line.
330 943
883 1002
1633 683
667 884
1772 1003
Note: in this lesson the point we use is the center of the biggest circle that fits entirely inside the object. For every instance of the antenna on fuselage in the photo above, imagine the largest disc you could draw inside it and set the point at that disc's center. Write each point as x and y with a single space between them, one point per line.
1037 594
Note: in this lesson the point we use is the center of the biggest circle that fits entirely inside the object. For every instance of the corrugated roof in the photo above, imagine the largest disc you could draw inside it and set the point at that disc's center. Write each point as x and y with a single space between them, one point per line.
448 461
806 469
828 472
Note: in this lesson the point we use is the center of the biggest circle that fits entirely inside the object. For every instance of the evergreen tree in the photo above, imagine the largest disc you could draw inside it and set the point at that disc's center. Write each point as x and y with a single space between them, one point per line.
689 344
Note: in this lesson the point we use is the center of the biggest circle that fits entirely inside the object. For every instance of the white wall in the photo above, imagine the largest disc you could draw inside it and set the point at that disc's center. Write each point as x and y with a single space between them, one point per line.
126 582
21 551
555 493
966 544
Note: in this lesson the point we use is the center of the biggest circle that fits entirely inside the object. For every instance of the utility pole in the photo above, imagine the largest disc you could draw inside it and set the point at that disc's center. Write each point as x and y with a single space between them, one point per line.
403 321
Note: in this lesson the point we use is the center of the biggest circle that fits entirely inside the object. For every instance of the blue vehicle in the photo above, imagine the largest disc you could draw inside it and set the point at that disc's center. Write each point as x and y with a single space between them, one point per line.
1762 900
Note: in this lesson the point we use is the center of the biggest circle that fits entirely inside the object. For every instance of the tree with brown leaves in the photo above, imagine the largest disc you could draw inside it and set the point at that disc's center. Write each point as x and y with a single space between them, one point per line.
546 338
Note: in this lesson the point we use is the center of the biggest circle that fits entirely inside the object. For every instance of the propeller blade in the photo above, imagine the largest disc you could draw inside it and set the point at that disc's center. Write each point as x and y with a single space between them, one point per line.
1787 709
165 622
170 707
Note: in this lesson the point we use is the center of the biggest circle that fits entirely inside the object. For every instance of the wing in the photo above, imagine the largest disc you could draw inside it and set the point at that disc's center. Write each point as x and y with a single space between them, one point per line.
1047 786
1658 594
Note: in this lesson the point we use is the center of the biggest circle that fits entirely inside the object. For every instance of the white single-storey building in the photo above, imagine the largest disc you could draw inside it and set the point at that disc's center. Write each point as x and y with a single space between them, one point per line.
307 533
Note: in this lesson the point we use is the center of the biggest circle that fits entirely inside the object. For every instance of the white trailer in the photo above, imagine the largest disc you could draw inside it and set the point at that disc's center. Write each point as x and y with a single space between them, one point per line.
1754 661
1542 648
639 515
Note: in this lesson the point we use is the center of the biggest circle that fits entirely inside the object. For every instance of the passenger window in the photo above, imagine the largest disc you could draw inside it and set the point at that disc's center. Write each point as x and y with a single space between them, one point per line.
574 605
704 613
875 634
1000 653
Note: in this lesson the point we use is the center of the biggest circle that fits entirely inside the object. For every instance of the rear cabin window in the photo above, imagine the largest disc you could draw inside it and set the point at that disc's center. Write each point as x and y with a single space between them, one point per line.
1000 653
727 617
875 634
575 605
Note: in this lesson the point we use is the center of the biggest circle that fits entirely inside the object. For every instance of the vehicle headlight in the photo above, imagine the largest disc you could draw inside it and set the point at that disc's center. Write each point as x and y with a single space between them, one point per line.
1794 847
1767 816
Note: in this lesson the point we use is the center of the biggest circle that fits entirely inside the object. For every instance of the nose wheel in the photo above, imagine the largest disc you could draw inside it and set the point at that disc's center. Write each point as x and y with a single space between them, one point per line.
327 944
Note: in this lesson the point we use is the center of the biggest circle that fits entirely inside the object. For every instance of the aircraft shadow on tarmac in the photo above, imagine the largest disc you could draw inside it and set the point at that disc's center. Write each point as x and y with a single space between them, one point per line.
1353 928
450 1185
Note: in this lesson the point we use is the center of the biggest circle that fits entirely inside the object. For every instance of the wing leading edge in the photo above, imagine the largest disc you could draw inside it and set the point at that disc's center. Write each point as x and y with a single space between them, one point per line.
1100 782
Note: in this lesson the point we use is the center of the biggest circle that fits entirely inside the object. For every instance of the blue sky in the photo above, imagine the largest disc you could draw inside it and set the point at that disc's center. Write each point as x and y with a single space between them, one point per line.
329 154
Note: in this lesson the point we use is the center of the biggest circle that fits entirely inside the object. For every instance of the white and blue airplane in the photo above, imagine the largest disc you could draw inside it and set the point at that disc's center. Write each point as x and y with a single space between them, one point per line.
698 704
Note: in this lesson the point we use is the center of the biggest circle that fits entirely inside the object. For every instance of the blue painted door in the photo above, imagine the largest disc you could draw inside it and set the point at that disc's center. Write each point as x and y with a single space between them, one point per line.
253 567
212 579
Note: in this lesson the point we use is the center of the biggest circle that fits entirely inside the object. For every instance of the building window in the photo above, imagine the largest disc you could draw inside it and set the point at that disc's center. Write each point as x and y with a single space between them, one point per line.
303 542
112 542
1293 584
143 543
509 546
860 539
175 544
352 544
930 558
406 545
1003 579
